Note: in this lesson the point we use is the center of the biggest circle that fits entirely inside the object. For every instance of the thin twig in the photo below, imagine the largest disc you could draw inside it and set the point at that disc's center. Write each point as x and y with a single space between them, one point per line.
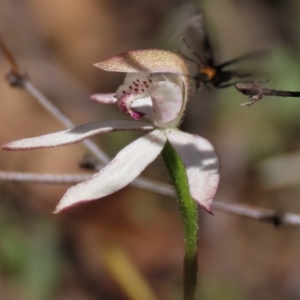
18 79
153 186
276 217
256 92
10 58
54 111
146 184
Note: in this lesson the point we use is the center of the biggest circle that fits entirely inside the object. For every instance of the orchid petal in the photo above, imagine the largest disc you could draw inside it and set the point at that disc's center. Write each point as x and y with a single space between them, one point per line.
166 98
167 103
135 87
105 98
136 84
75 135
124 168
148 60
181 81
143 105
202 165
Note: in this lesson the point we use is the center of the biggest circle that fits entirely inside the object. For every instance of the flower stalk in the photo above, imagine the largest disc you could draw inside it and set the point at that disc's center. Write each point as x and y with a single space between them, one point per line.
189 213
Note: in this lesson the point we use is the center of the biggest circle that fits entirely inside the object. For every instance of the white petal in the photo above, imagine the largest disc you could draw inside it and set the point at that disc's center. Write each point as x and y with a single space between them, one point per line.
124 168
167 103
167 98
75 135
105 98
136 86
183 83
144 105
202 165
134 81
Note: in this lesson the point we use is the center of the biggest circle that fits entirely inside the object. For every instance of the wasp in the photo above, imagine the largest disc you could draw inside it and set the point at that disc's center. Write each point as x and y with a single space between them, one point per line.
209 71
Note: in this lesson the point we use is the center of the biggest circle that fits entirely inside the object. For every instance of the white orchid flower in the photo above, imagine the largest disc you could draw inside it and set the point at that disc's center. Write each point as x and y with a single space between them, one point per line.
154 89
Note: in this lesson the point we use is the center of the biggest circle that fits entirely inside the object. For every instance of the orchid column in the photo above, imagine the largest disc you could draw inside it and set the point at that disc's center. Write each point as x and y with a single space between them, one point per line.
155 89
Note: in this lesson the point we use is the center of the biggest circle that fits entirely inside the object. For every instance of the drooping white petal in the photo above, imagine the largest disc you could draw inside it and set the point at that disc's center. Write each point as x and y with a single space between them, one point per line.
201 162
124 168
75 135
105 98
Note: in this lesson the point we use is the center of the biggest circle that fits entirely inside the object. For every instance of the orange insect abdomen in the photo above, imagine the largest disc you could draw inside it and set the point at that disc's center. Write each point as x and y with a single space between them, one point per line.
209 72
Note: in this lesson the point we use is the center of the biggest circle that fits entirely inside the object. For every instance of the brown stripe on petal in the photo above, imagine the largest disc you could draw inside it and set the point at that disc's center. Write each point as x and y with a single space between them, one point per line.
150 60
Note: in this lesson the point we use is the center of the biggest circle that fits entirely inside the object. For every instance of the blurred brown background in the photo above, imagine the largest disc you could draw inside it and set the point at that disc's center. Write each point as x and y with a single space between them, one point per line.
72 255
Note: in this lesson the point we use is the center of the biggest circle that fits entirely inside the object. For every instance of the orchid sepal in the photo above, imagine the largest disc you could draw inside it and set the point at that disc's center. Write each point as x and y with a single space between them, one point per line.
75 135
123 169
109 98
201 164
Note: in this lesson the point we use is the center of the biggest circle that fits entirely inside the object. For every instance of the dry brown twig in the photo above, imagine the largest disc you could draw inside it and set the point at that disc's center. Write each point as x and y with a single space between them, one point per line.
276 217
256 92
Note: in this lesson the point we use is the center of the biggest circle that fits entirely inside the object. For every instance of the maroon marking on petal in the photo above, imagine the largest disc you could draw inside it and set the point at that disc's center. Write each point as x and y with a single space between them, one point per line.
136 90
136 115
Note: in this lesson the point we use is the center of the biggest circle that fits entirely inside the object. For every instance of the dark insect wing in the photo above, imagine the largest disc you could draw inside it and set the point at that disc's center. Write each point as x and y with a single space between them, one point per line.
208 51
183 22
198 40
252 55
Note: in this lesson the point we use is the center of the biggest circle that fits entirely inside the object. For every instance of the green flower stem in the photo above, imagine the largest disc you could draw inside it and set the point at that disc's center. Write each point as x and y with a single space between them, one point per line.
189 212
